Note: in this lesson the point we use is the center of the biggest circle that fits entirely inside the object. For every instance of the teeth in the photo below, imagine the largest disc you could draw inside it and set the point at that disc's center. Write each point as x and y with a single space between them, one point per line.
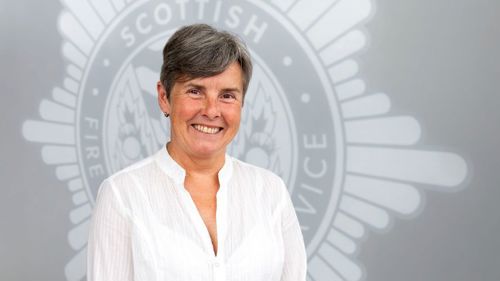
206 130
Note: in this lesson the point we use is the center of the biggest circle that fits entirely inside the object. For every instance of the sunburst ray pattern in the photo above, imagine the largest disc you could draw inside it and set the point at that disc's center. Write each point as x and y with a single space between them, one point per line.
401 130
428 167
305 12
382 163
350 89
336 21
283 5
366 106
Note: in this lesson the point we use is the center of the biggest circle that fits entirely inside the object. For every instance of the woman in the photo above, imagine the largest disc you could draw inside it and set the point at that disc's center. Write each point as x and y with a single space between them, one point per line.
191 212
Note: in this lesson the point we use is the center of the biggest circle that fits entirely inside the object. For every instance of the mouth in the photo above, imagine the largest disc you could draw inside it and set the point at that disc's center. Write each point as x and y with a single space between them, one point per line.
207 129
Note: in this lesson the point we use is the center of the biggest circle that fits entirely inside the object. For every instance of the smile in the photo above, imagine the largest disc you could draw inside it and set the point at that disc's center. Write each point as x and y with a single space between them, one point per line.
207 130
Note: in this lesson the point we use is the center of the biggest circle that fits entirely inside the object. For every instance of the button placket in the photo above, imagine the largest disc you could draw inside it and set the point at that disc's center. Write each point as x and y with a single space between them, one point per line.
219 270
218 265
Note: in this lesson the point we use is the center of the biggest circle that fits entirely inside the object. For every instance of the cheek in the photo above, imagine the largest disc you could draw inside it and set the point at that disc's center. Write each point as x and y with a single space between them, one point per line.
233 117
185 111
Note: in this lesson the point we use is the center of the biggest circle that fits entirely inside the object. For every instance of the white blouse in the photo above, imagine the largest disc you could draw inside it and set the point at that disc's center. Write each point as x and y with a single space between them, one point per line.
146 227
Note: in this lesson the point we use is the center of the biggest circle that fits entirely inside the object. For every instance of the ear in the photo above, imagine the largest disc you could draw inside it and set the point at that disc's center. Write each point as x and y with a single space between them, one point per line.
162 98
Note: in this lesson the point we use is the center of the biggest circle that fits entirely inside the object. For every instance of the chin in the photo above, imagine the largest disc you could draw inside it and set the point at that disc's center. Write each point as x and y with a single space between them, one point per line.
208 151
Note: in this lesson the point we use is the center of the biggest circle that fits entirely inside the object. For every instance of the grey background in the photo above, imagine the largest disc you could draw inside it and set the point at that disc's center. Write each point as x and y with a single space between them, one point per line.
438 61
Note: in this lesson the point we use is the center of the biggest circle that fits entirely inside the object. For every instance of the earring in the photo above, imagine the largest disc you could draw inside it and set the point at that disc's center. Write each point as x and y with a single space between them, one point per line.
166 114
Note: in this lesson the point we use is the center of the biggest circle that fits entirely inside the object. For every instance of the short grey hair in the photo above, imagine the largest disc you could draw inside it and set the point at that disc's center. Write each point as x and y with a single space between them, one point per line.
199 50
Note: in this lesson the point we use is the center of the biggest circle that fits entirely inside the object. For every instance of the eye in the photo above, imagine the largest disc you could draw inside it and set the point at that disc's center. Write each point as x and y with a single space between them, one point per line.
228 96
194 92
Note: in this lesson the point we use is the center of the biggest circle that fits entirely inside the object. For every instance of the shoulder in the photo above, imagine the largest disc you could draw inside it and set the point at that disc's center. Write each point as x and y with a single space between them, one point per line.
121 189
133 169
250 169
120 180
270 181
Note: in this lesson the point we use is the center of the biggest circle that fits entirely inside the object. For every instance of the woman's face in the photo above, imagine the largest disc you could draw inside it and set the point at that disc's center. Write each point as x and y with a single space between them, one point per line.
205 112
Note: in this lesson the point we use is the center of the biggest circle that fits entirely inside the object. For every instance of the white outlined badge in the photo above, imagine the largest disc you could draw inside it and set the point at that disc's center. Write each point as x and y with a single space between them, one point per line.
349 163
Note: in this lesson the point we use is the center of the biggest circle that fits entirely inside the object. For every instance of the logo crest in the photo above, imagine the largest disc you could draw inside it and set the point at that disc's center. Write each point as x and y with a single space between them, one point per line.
349 164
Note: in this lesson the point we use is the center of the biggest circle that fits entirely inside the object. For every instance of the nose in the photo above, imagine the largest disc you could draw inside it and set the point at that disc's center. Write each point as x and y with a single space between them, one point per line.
211 108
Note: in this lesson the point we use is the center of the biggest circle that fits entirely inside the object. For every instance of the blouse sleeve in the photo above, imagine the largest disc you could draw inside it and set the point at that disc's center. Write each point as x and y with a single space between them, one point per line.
109 255
295 264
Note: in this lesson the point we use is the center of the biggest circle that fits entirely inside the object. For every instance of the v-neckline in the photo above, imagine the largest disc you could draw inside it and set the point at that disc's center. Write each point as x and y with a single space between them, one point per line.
173 170
200 226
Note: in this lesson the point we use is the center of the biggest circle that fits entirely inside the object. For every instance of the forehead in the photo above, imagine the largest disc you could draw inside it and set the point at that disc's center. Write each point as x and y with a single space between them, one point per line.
231 77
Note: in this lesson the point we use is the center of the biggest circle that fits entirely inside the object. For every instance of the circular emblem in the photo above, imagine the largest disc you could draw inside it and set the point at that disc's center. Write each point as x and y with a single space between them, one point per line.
306 115
117 103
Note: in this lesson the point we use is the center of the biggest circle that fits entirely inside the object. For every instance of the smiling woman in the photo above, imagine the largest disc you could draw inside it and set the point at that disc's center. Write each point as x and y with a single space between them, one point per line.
191 212
205 114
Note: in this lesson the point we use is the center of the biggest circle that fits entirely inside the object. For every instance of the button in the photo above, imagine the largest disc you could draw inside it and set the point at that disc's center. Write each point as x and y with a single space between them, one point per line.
216 264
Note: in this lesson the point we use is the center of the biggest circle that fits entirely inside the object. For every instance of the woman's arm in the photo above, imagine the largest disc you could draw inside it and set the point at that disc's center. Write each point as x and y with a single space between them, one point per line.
295 264
109 255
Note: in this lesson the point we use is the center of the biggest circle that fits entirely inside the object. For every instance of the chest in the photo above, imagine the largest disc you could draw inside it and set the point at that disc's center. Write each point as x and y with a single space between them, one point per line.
207 208
174 256
248 247
204 198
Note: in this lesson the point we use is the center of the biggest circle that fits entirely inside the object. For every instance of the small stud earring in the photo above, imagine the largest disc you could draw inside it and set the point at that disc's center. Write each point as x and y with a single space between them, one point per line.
166 114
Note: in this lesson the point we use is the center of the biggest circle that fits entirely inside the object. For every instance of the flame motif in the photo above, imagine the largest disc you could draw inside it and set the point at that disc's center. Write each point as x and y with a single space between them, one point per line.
136 138
255 141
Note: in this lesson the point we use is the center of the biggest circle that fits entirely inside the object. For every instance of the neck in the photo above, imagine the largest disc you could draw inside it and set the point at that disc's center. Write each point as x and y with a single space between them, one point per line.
206 166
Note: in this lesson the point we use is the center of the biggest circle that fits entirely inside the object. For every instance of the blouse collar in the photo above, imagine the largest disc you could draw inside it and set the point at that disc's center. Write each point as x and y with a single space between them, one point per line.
178 174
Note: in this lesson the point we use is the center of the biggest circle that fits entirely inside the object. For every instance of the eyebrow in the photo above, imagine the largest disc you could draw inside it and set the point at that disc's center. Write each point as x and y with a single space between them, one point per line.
201 87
